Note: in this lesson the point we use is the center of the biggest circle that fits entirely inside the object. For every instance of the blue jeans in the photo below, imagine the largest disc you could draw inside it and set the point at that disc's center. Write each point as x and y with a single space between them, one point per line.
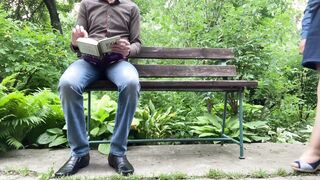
71 86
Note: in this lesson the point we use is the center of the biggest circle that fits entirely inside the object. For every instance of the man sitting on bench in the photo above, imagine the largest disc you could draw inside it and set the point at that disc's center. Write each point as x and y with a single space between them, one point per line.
99 19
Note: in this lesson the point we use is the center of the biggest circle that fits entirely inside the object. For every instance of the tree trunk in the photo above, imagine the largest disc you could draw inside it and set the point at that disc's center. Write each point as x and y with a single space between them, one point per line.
54 16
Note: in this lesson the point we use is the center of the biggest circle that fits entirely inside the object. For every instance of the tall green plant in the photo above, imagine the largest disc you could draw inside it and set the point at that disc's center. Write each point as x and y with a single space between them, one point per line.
103 117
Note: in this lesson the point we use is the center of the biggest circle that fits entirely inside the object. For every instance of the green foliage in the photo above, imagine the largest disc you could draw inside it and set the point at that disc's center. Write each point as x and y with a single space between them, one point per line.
102 120
219 174
18 117
104 148
34 54
34 11
103 116
264 52
173 176
46 175
52 137
207 126
210 125
260 174
154 123
22 115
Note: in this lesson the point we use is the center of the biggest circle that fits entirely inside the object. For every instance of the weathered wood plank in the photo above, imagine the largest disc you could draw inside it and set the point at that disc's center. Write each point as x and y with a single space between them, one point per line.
186 71
185 53
203 85
167 71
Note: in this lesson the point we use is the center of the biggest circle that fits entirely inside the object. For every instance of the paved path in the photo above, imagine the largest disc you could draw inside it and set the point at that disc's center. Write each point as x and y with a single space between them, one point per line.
150 161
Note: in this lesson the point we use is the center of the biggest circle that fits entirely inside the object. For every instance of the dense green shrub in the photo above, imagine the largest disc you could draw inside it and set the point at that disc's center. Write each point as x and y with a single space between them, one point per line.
36 55
24 117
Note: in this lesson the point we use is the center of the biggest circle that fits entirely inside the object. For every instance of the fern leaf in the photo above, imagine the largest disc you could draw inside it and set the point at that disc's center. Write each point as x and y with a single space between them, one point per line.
12 141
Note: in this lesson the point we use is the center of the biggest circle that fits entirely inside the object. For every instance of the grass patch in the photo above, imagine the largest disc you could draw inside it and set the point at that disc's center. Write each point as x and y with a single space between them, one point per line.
21 172
173 176
282 173
119 177
218 174
213 174
47 175
25 172
260 174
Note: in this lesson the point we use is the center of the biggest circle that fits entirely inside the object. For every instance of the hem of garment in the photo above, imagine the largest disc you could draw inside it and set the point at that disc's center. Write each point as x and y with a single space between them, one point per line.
79 155
117 154
311 63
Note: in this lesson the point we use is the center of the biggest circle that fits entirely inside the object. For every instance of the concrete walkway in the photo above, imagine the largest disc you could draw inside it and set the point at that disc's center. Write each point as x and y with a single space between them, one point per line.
151 161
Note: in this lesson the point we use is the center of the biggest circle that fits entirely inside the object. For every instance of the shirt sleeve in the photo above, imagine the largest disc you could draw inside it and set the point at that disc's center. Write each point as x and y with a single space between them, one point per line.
135 31
81 21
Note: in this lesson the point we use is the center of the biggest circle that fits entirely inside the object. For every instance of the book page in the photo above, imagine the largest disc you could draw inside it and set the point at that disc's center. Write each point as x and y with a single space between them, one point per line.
106 43
88 46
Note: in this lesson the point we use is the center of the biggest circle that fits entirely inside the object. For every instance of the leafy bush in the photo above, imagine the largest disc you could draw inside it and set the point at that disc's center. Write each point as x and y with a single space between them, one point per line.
52 137
154 123
18 118
103 116
36 55
210 125
22 115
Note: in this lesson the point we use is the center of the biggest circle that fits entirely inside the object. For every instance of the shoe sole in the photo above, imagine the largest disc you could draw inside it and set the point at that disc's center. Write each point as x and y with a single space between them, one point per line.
306 171
72 173
121 173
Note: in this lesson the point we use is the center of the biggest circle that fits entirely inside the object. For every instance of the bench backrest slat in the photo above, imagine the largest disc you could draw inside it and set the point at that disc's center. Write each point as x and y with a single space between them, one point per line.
186 71
185 53
165 76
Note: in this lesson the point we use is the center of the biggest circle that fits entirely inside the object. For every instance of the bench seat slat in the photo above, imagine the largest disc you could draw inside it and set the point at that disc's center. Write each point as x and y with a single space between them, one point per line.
186 71
203 85
185 53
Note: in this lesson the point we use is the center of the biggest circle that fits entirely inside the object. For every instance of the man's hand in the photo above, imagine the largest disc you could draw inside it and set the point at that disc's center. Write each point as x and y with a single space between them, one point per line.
122 47
78 32
301 45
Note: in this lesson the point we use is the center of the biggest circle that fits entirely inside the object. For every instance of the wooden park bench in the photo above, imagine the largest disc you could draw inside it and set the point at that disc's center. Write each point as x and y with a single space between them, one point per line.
168 78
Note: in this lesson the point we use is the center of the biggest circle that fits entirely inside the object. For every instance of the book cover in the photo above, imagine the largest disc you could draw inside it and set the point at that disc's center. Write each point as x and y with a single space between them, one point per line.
96 48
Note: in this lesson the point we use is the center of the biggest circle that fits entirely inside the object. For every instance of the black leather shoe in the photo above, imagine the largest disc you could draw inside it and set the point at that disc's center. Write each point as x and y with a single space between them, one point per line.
120 164
73 165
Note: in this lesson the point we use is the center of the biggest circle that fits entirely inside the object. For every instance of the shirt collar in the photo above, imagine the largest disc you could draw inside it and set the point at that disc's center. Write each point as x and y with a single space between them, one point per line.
115 2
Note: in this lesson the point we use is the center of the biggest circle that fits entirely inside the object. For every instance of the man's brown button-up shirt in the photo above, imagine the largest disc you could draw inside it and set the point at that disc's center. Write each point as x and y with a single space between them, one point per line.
101 19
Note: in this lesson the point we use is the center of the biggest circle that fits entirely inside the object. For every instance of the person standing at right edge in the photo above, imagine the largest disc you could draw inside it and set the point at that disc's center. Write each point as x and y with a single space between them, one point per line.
309 161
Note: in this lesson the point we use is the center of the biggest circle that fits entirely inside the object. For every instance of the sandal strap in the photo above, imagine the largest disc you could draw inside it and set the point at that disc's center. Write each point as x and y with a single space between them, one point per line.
307 166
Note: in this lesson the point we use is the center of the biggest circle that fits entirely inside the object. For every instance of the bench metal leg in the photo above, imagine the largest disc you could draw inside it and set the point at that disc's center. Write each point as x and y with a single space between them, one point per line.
89 115
240 113
223 137
224 114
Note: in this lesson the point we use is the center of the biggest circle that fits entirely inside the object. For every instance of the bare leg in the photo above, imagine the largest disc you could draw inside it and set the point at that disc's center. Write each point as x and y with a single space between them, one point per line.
312 153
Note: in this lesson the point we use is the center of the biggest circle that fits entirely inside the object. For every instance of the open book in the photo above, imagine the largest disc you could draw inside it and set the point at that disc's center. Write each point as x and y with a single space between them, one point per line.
96 48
